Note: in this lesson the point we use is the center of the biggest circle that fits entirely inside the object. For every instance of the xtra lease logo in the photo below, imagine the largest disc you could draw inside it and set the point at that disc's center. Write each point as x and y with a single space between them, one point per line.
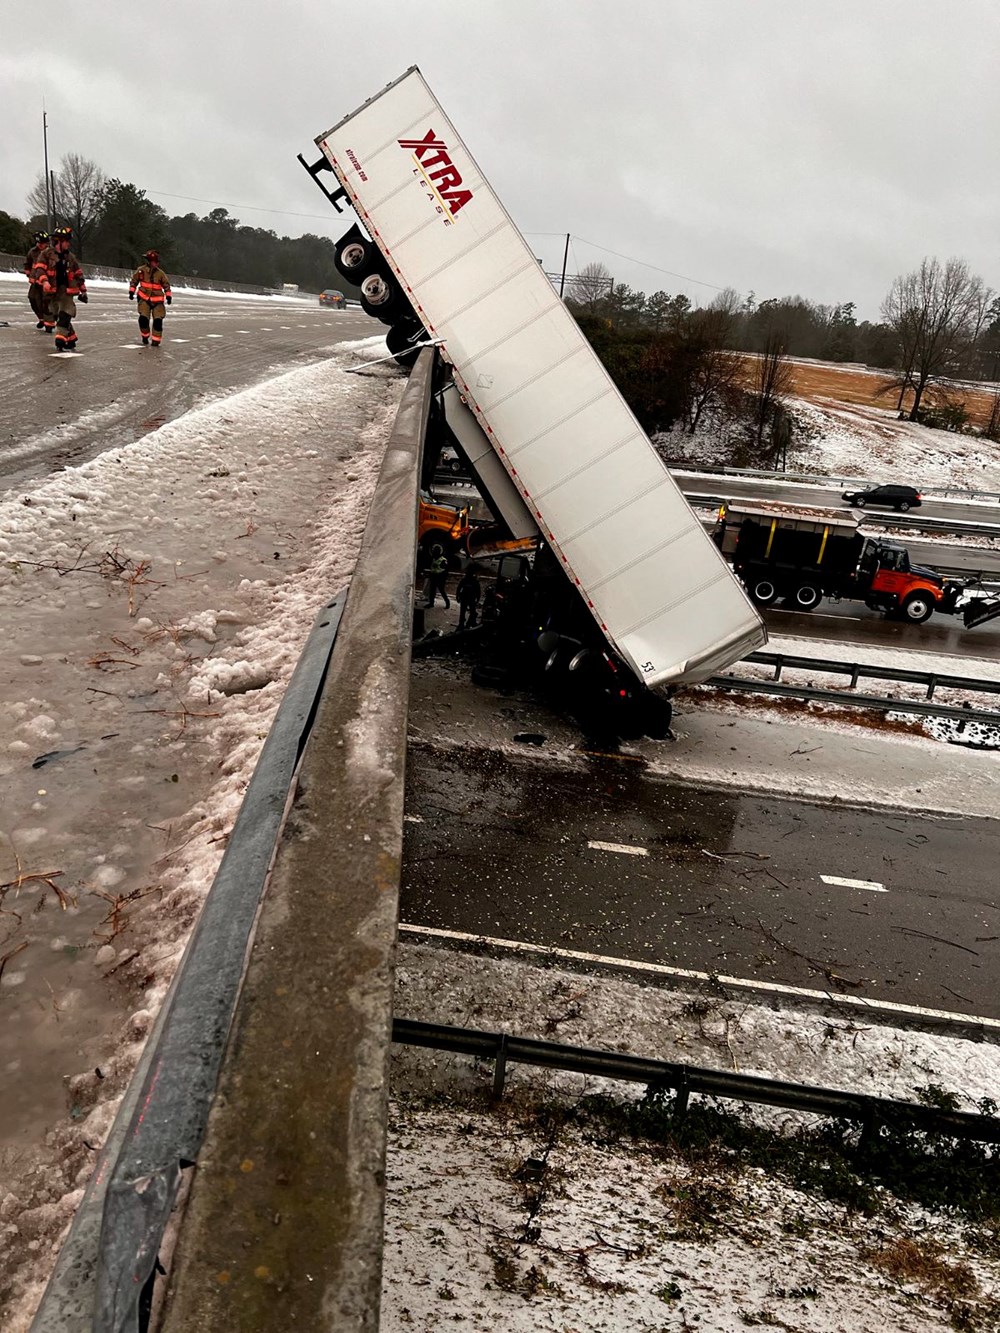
440 175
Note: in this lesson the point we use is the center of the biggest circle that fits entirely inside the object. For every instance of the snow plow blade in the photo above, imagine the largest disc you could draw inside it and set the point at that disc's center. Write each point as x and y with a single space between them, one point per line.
981 610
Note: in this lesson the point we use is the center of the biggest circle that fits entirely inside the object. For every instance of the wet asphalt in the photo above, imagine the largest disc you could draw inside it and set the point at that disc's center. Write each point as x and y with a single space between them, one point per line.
704 879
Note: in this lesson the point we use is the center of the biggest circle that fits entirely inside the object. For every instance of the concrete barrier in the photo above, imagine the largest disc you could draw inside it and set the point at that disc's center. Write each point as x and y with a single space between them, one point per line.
284 1224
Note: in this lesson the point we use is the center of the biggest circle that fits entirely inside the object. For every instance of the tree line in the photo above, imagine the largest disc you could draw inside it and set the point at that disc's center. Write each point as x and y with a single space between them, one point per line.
114 223
676 362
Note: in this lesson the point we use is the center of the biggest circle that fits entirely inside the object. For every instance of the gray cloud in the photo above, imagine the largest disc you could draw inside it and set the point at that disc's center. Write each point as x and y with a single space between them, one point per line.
776 146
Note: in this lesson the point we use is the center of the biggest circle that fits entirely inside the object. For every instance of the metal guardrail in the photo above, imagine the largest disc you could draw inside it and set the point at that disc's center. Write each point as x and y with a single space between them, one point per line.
814 479
878 702
870 518
931 680
684 1079
106 1261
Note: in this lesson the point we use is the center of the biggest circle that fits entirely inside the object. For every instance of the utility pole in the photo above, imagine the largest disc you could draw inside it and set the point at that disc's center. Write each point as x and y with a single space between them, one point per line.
562 280
49 191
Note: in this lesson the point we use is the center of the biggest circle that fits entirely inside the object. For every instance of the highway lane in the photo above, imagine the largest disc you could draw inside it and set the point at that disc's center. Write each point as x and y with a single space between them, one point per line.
897 907
790 492
61 411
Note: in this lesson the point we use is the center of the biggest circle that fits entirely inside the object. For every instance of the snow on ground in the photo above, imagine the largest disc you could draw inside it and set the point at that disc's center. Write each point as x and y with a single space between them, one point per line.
856 441
155 601
834 439
507 1216
17 284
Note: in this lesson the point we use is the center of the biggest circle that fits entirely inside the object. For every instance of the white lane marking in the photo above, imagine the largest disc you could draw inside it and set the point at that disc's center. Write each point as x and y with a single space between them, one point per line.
133 347
242 330
686 974
187 340
213 335
263 330
871 884
286 327
413 819
72 355
623 847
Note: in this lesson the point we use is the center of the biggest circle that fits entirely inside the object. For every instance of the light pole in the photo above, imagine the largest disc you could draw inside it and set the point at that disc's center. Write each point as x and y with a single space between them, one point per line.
48 190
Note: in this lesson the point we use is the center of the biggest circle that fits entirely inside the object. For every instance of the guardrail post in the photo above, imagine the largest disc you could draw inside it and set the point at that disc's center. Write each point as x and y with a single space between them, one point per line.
931 683
855 673
284 1225
777 669
500 1069
683 1095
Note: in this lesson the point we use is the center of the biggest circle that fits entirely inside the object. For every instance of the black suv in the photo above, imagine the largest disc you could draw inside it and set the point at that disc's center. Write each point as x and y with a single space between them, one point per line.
900 498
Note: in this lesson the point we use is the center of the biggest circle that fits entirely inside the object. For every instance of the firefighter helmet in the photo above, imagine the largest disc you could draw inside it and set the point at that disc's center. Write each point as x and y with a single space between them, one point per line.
41 237
153 256
62 234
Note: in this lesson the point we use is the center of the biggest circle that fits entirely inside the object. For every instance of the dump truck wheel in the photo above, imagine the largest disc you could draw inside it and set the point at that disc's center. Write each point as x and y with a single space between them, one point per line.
917 608
763 592
806 597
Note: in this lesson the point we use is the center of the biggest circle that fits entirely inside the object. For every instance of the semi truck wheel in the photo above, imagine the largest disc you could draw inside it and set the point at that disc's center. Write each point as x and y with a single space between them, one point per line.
807 597
763 592
352 258
917 608
381 298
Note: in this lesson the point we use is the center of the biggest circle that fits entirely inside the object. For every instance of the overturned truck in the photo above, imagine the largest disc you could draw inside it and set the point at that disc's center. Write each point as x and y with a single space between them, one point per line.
628 596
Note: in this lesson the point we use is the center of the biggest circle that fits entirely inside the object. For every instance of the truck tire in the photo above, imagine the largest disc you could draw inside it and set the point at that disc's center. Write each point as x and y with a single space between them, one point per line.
398 341
806 597
381 298
353 258
917 608
763 592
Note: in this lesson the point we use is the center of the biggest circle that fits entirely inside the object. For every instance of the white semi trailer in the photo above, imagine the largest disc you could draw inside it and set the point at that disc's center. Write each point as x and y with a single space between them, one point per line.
439 259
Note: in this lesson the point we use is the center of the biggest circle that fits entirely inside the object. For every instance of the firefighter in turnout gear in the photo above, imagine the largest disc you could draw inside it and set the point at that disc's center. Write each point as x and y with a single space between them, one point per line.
60 277
36 297
152 286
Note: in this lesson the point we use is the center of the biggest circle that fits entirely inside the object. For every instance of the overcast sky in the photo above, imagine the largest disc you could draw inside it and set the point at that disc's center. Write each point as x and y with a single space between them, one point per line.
775 146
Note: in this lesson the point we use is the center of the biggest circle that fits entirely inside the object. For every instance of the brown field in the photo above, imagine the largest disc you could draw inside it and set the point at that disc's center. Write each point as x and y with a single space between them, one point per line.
853 384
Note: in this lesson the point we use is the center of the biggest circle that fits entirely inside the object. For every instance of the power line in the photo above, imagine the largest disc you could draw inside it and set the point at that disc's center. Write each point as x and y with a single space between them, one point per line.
655 267
253 208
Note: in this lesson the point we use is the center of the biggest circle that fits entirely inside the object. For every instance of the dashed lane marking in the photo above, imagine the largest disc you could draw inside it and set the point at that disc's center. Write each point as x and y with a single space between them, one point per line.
871 884
73 356
185 340
623 847
242 330
858 1002
213 335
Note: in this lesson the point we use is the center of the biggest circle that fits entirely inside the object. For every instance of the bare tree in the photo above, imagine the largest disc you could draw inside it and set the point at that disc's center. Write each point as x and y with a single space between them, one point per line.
936 313
714 368
772 378
78 197
590 288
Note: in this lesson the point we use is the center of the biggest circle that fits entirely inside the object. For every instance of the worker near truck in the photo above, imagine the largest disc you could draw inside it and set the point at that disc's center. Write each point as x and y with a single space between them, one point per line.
58 273
467 594
151 287
36 296
437 576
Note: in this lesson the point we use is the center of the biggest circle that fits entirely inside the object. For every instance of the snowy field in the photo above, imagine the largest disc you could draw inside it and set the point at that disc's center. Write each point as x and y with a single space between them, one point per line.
834 439
502 1216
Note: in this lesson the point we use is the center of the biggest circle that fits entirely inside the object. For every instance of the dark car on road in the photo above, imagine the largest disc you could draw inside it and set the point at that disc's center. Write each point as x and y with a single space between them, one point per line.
900 498
331 298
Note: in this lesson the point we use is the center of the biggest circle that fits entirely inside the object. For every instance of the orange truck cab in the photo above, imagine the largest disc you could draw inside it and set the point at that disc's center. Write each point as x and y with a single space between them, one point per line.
441 525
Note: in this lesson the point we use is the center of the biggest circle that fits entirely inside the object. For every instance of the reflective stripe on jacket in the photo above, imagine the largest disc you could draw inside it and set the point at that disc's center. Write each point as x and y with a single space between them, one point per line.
46 272
152 284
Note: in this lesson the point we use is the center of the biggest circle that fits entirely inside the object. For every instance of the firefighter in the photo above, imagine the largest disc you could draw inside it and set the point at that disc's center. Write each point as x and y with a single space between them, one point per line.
58 272
36 297
153 289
